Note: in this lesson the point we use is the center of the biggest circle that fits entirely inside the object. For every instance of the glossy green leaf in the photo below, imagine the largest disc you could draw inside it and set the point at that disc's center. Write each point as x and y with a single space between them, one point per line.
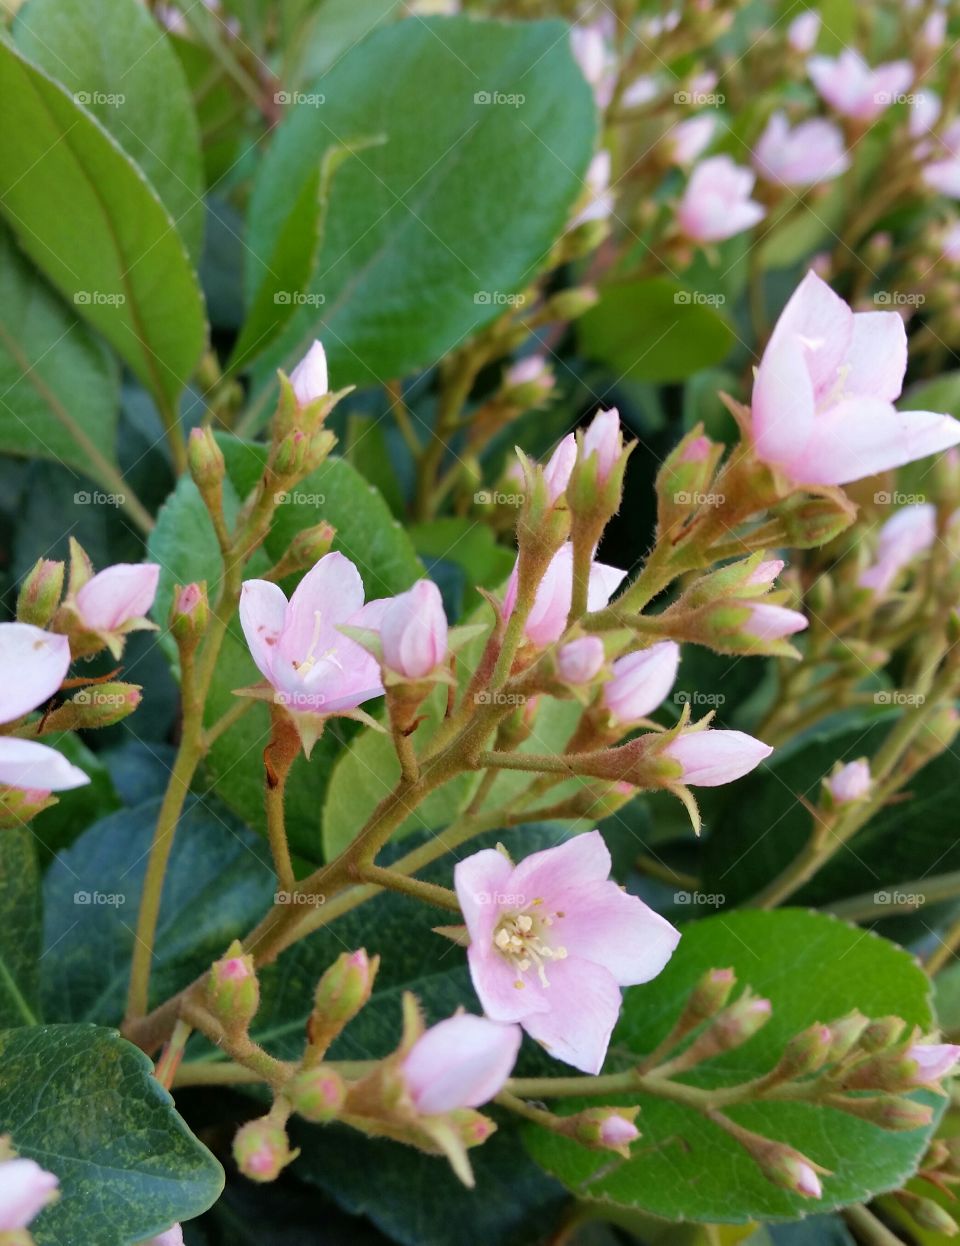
85 1105
20 929
115 60
812 968
115 254
655 330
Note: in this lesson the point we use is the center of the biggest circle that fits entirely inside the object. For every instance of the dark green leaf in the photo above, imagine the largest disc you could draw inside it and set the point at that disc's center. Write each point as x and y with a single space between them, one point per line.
20 929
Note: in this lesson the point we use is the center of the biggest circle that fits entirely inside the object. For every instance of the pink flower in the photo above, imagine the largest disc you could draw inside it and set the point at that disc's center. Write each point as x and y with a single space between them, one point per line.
851 782
943 174
309 377
580 661
604 439
172 1237
849 85
552 941
617 1131
924 111
807 1181
803 31
764 574
768 622
823 396
460 1063
716 203
689 139
413 631
933 1061
25 1189
117 595
597 62
811 152
641 681
297 645
712 758
33 664
907 534
547 620
933 32
559 466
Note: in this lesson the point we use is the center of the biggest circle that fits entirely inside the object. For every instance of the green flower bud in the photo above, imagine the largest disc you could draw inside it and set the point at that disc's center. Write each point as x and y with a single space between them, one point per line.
233 992
205 459
189 614
40 593
316 1093
99 705
342 991
261 1150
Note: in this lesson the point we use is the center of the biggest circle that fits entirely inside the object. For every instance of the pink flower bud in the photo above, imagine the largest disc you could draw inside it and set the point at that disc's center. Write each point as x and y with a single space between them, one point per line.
768 622
716 203
641 681
933 1061
309 377
460 1063
25 1189
604 439
688 140
697 450
810 153
851 782
559 466
850 86
807 1182
172 1237
803 31
413 631
617 1131
205 459
40 593
711 758
906 535
547 620
316 1093
233 992
580 660
765 573
528 381
117 595
261 1150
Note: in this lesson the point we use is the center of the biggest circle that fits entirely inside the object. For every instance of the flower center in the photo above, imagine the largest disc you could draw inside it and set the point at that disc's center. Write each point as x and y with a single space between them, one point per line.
310 661
521 938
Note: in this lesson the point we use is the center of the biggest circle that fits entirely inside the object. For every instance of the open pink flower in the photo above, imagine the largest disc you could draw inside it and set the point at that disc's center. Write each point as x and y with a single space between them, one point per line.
117 595
552 941
905 535
297 645
309 377
25 1189
413 631
460 1063
716 203
823 396
596 59
712 758
33 664
548 618
933 1061
641 681
809 153
850 86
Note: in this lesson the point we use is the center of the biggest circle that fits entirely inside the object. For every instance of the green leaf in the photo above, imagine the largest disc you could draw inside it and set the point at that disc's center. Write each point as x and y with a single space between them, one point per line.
114 254
20 929
316 39
654 330
812 968
115 60
57 827
472 546
84 1104
220 879
60 385
456 211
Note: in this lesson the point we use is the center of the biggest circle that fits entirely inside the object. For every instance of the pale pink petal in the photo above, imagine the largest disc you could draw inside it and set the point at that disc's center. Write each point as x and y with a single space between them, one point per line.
478 880
768 622
604 582
503 995
309 377
117 594
580 661
460 1063
641 681
712 758
583 859
559 466
783 408
172 1237
33 766
263 608
413 631
25 1189
328 594
601 923
585 1005
862 436
604 439
33 664
823 323
877 358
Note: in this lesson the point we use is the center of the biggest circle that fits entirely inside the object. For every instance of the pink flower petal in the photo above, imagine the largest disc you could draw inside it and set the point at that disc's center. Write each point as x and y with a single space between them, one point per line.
712 758
877 358
783 408
33 766
118 594
585 1005
25 1189
605 925
460 1063
478 880
330 593
583 859
263 608
33 664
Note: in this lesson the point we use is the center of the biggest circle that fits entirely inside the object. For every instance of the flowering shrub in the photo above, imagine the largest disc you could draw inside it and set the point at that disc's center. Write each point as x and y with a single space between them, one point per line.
478 684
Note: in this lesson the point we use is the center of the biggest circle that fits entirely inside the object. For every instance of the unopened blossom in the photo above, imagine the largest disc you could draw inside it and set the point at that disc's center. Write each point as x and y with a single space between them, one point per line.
552 941
617 1131
803 31
604 439
807 1182
933 1061
529 380
716 203
924 110
905 535
413 631
172 1237
33 664
822 410
933 32
765 573
809 153
850 86
547 620
117 596
460 1063
768 622
25 1189
559 466
641 91
297 645
309 378
712 758
942 172
851 782
641 681
688 140
580 661
599 197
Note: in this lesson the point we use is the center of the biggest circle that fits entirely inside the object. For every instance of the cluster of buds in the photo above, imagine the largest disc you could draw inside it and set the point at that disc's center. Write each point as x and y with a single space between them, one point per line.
300 442
939 1168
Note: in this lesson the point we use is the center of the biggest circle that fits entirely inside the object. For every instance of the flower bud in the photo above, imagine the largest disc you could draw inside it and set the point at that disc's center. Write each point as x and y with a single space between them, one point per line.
709 996
100 705
683 482
934 737
881 1033
604 439
933 1061
712 758
603 1129
189 614
888 1112
930 1215
308 546
559 466
261 1149
849 783
528 382
316 1093
806 1052
779 1163
413 632
342 991
40 593
581 660
815 521
309 378
233 992
19 805
641 681
205 460
846 1032
596 484
571 304
290 459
